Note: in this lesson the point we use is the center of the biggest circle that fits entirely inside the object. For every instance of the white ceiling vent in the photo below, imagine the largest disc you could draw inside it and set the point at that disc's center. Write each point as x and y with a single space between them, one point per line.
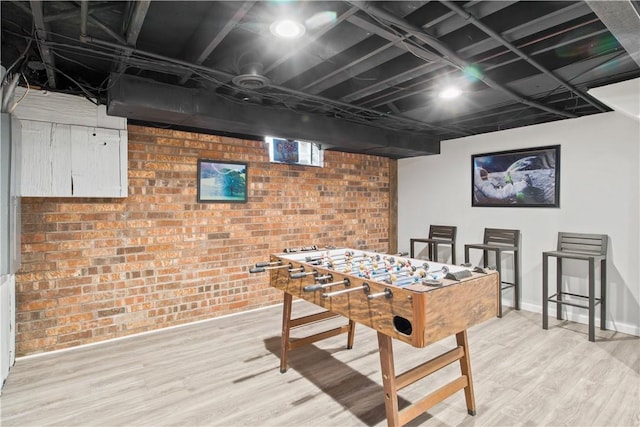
251 77
250 81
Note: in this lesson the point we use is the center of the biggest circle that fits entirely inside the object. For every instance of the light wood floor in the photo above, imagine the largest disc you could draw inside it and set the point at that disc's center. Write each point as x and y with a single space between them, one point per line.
225 372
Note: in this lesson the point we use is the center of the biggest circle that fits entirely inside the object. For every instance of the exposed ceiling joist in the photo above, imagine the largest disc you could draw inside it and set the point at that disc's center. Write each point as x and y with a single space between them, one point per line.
310 40
225 76
451 57
133 26
375 66
73 12
469 17
210 33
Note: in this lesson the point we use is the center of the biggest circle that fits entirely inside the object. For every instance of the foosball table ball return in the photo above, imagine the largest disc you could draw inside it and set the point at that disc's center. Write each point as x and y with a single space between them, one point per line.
400 298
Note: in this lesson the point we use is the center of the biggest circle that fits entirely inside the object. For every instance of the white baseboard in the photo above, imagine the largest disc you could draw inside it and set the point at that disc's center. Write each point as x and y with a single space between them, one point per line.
625 328
579 318
154 331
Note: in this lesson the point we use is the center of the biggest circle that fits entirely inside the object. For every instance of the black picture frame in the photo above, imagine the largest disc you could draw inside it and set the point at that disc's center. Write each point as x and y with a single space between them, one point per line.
222 181
527 177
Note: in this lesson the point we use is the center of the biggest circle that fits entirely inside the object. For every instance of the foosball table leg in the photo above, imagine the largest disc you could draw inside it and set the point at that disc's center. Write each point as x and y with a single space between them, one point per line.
392 383
385 348
284 340
465 369
351 335
286 344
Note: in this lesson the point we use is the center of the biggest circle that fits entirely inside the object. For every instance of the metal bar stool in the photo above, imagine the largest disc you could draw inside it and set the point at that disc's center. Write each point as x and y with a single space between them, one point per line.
498 240
584 247
438 235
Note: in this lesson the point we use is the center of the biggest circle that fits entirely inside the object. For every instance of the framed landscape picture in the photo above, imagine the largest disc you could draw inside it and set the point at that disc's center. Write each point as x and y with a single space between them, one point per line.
519 178
222 181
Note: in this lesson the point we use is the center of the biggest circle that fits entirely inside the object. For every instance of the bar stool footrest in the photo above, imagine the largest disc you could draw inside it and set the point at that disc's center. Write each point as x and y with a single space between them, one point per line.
554 298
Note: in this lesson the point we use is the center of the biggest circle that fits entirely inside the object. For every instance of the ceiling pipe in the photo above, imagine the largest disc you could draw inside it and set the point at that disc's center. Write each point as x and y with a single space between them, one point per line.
84 18
472 19
37 11
450 56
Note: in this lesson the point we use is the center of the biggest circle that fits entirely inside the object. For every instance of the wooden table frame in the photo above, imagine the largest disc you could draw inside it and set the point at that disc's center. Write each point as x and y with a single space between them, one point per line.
391 383
431 319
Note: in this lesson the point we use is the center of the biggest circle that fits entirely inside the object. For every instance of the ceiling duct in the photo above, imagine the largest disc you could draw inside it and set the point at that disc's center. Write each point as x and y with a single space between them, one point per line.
146 100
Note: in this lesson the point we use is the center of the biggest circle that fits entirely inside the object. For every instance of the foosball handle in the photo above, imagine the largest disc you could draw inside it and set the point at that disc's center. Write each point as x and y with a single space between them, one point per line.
312 288
257 269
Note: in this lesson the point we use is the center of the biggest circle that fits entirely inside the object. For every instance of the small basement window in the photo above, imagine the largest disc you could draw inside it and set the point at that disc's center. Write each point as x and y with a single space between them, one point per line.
295 152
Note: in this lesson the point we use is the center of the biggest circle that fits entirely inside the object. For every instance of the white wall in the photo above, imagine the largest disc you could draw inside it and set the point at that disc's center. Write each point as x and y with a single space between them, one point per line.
599 194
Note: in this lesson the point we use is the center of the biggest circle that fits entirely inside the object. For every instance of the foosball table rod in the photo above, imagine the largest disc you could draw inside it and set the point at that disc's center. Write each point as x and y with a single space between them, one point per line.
320 286
364 287
261 267
303 273
387 293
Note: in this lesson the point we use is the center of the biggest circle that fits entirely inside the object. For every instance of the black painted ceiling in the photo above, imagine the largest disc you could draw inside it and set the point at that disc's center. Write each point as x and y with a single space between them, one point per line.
364 77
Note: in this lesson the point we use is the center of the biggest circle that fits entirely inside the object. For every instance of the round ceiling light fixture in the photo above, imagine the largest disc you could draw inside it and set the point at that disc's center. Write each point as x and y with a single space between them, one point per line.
450 92
287 29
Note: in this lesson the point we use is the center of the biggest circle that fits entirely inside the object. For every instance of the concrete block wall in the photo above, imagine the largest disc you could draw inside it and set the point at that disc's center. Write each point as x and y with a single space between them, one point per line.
96 269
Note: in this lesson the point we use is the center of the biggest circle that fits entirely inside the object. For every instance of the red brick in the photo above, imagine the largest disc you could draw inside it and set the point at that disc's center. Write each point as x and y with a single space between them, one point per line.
166 259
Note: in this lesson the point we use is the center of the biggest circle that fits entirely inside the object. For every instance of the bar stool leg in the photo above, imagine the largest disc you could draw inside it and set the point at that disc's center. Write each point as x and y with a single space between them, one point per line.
453 253
516 280
592 300
545 291
499 270
603 294
559 288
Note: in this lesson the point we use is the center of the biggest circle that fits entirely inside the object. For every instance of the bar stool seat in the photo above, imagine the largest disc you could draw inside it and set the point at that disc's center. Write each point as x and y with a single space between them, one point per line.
591 248
499 240
438 235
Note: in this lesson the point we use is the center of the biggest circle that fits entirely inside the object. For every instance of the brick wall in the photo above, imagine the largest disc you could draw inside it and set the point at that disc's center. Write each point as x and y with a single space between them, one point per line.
95 269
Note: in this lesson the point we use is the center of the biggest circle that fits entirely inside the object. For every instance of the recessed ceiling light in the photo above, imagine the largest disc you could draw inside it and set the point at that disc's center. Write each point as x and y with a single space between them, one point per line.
287 29
450 93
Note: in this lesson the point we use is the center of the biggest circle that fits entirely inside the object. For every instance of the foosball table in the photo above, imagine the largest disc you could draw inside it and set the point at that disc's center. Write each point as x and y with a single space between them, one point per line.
410 300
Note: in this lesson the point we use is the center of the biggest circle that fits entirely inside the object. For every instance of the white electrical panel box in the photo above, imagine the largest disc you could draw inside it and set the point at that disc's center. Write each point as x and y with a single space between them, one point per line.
70 147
